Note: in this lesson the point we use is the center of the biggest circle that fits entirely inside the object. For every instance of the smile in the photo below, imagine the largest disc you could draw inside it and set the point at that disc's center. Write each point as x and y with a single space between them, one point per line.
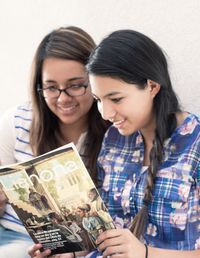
119 123
67 109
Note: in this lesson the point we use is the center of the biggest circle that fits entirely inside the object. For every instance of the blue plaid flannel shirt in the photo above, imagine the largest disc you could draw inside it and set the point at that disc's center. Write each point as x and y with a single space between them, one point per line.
174 213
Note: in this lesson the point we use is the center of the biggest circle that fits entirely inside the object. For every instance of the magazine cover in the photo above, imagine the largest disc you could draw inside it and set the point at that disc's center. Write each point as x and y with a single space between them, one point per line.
56 200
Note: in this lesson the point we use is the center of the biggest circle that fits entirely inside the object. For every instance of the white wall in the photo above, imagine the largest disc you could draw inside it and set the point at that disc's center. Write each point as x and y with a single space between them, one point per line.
172 24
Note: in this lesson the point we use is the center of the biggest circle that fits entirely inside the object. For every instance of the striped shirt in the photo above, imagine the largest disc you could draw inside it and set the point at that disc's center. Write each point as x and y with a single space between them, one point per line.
15 147
174 213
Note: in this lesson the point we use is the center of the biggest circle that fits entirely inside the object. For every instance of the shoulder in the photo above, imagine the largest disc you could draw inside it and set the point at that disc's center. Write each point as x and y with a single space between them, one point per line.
184 144
189 129
24 111
7 121
17 120
23 117
8 115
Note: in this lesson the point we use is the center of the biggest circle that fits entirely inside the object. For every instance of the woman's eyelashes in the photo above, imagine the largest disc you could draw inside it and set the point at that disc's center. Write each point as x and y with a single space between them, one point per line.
49 87
116 100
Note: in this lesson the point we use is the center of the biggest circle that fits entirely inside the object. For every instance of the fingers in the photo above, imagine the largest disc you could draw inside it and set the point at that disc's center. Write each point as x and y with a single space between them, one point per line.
116 243
109 242
34 251
111 233
65 255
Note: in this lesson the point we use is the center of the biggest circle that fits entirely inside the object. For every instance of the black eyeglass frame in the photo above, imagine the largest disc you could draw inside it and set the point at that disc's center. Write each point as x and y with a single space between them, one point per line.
41 91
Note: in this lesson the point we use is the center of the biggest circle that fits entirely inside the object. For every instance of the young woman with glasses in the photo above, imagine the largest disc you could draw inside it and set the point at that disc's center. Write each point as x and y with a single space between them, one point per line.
62 110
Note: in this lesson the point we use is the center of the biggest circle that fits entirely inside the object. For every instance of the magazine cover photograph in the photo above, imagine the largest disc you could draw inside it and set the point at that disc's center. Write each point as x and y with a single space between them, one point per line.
56 200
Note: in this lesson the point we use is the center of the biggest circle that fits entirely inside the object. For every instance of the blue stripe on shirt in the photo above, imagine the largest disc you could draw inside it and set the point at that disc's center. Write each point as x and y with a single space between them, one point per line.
23 141
10 215
13 221
26 153
24 109
23 118
20 127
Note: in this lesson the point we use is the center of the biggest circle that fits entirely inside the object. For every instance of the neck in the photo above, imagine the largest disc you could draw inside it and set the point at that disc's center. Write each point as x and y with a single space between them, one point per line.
72 133
147 148
148 134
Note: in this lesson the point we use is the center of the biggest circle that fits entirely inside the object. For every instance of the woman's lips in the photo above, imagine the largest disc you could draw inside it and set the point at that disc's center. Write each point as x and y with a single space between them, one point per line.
119 124
68 110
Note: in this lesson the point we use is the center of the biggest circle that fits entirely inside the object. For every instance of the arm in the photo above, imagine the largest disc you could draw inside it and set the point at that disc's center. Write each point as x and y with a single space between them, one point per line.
123 242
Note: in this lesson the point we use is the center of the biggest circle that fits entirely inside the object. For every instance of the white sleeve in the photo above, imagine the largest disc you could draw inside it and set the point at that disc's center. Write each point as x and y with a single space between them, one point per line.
7 137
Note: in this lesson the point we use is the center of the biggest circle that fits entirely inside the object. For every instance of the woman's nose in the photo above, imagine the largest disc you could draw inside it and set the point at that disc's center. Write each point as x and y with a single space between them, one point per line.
107 112
64 96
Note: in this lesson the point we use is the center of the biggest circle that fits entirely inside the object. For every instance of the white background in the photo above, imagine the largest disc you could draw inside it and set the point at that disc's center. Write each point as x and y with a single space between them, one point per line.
173 24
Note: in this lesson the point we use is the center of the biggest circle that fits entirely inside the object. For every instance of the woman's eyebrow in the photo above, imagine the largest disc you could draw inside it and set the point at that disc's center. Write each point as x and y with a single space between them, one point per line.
76 78
111 94
49 81
68 80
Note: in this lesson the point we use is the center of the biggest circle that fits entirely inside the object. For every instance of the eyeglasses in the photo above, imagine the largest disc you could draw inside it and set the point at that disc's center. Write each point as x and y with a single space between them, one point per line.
52 92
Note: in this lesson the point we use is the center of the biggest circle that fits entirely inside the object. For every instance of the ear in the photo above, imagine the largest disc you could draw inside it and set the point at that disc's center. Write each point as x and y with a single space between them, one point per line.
154 87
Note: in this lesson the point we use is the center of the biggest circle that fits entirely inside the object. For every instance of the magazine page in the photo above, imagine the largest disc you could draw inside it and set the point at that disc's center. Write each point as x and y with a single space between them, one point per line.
56 200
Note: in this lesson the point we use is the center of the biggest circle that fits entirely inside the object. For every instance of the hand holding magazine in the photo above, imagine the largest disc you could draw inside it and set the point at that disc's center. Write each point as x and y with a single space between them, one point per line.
56 200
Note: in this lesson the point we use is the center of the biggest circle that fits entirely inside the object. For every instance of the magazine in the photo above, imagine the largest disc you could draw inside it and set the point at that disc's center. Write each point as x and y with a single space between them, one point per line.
56 200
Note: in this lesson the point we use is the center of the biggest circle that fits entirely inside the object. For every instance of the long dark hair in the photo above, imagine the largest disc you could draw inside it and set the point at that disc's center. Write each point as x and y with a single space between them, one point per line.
134 58
70 43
